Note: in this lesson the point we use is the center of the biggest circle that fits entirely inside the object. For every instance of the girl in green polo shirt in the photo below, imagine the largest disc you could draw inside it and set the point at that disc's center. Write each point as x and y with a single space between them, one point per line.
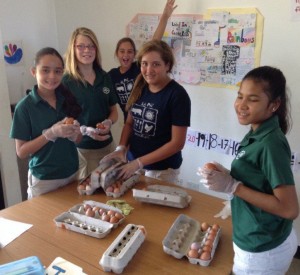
39 127
261 181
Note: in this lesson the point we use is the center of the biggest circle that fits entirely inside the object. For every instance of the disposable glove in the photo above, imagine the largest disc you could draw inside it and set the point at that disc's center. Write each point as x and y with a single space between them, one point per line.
219 181
77 132
107 123
129 169
225 212
93 133
120 153
59 130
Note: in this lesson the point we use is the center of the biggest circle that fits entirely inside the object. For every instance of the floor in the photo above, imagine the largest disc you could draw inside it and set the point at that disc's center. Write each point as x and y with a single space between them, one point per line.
294 268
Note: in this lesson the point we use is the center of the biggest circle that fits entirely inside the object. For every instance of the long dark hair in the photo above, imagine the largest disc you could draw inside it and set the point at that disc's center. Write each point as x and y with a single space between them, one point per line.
70 105
274 85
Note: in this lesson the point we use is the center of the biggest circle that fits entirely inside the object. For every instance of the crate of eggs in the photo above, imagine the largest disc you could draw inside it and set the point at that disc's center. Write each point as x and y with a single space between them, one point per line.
106 177
123 248
187 237
90 218
163 195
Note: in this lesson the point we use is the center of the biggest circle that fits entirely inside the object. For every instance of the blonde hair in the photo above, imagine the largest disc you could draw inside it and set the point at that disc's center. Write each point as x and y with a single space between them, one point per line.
166 55
71 61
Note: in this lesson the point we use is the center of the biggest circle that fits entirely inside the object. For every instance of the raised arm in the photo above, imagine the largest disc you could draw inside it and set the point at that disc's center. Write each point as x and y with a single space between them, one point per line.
168 10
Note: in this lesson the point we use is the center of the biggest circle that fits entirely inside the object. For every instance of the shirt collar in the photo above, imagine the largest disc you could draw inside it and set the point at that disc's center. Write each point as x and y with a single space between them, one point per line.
37 98
265 128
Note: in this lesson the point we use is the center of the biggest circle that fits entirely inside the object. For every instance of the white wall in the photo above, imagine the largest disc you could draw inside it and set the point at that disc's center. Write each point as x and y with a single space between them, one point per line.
212 108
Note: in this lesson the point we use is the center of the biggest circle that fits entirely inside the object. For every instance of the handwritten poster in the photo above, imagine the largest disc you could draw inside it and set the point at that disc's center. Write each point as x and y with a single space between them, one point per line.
214 49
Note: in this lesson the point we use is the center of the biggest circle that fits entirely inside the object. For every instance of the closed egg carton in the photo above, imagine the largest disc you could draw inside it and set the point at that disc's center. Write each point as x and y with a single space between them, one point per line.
123 248
117 190
83 224
88 185
163 195
186 233
100 211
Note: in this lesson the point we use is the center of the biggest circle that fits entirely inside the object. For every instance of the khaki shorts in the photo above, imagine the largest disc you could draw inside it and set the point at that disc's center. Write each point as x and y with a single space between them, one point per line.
89 159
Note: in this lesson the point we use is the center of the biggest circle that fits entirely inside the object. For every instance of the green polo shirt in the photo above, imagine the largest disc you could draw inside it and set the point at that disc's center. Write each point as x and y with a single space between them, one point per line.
262 164
55 160
95 101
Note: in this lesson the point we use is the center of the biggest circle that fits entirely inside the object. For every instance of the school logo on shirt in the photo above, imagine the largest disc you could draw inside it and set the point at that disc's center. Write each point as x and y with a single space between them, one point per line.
106 90
240 154
145 118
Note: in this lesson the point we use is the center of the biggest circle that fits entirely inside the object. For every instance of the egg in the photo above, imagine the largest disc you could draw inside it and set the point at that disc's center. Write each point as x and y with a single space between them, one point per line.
204 226
100 126
206 248
86 207
117 190
205 256
119 215
90 212
81 187
215 227
114 219
69 120
111 212
195 246
102 211
193 253
105 218
210 166
209 242
109 189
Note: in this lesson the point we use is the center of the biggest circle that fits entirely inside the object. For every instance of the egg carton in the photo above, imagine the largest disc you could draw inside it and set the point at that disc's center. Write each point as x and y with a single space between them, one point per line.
83 224
79 209
125 185
123 248
93 179
184 232
163 195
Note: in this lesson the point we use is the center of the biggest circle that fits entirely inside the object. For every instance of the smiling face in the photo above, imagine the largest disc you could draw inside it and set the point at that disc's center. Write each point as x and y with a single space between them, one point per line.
154 70
125 55
253 105
48 72
85 50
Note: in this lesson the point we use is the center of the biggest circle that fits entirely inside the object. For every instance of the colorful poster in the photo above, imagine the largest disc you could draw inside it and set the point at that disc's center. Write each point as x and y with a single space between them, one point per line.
13 52
215 49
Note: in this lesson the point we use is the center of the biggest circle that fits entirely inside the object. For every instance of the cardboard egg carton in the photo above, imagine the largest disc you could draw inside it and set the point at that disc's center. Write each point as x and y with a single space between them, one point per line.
83 224
122 249
79 209
184 232
163 195
106 176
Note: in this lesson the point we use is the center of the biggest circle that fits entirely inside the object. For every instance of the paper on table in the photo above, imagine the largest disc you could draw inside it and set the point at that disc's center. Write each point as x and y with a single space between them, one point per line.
60 265
10 230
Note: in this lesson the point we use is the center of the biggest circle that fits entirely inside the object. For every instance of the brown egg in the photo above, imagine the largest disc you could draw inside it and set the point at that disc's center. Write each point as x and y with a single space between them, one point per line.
105 218
69 120
210 166
81 187
102 211
215 227
113 219
119 215
90 212
86 207
100 126
204 226
206 248
193 253
96 208
205 256
111 212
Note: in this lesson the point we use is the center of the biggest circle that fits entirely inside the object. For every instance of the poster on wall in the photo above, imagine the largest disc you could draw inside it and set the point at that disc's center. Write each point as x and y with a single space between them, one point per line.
295 10
13 52
214 49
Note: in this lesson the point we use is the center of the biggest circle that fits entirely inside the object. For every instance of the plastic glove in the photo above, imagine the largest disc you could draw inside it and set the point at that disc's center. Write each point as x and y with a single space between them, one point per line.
107 123
129 169
219 182
120 153
77 131
59 130
92 133
225 212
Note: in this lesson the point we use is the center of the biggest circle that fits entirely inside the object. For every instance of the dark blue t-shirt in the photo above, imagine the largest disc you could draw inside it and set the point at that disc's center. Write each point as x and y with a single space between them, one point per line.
123 84
154 114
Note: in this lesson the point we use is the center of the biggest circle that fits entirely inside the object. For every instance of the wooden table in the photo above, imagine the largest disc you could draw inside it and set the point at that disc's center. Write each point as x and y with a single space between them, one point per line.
47 241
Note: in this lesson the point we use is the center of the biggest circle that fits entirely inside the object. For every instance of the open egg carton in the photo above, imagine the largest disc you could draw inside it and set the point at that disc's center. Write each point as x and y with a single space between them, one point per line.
106 176
187 237
91 218
123 248
163 195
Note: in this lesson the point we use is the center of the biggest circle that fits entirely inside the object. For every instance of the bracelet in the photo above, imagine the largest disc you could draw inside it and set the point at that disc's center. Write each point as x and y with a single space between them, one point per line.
120 148
140 163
